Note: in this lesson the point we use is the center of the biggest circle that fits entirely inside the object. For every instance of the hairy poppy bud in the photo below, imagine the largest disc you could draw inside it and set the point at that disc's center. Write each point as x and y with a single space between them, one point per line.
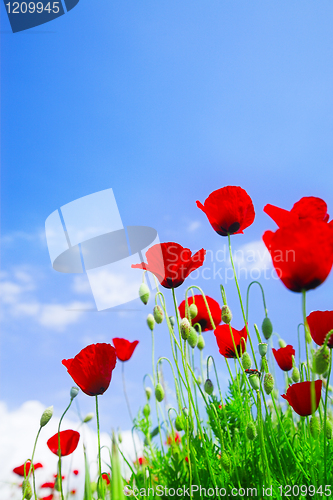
295 375
254 381
225 462
28 491
74 392
251 431
148 392
246 361
151 322
282 343
328 429
158 314
193 311
172 320
268 383
314 426
88 417
321 360
201 342
46 416
267 328
146 410
226 314
193 338
144 293
209 386
179 423
185 328
159 392
262 349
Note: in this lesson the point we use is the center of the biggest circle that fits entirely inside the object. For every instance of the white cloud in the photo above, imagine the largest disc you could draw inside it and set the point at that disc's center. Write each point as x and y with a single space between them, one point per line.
193 226
253 255
81 284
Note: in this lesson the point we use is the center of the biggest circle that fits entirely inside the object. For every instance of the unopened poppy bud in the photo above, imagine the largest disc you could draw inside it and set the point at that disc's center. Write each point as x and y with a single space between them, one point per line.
295 375
151 322
314 426
46 416
225 462
172 320
193 311
193 338
262 349
321 360
201 342
282 343
179 423
185 328
267 328
251 431
209 386
120 437
57 484
246 361
148 392
185 411
88 417
28 491
226 314
74 392
254 381
159 392
144 293
199 380
158 314
268 383
146 410
328 429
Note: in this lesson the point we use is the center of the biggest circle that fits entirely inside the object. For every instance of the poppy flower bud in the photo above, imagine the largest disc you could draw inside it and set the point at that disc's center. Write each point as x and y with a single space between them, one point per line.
328 429
251 431
267 328
199 379
314 426
179 423
151 322
268 383
46 417
254 381
159 392
185 328
146 410
88 417
185 411
193 311
225 462
28 491
144 293
172 320
74 392
226 314
57 484
158 314
201 342
209 386
148 392
120 437
282 343
193 338
246 361
295 375
321 360
262 349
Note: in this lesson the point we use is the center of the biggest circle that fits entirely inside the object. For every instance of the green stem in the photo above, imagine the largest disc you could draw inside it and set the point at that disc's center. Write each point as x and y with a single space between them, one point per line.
125 392
32 461
59 449
305 329
325 416
247 298
100 480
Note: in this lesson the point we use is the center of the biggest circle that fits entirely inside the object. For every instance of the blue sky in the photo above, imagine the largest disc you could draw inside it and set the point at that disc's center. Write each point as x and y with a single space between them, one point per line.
164 102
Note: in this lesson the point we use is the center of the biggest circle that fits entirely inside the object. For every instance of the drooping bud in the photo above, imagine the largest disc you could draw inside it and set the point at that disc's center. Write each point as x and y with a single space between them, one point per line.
185 411
74 392
148 392
193 338
254 381
179 423
146 410
88 417
268 383
328 429
251 431
185 328
282 343
201 342
144 293
46 417
193 311
267 328
226 314
225 461
321 360
28 491
295 375
172 320
209 386
246 361
158 314
262 349
159 392
151 322
315 426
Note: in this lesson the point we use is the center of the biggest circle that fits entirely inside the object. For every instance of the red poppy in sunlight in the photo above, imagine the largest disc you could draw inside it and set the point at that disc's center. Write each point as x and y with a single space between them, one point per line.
229 210
308 207
91 369
175 439
283 357
48 485
68 442
20 470
171 263
225 343
56 475
49 497
106 477
320 324
124 348
75 472
202 317
141 461
302 253
299 397
73 492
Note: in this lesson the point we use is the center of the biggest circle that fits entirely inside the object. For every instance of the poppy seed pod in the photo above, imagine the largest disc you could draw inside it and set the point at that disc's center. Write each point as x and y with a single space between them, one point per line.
46 417
225 462
209 386
179 423
295 375
193 311
193 338
185 328
314 426
159 392
226 314
321 360
251 431
158 314
74 392
144 293
267 328
268 383
201 342
254 381
172 320
26 486
246 361
151 322
328 429
88 417
148 392
262 349
146 410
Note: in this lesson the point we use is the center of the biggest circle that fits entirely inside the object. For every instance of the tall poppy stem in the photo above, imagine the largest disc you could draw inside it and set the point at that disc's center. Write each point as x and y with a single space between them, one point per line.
306 329
31 463
125 392
59 449
99 446
325 415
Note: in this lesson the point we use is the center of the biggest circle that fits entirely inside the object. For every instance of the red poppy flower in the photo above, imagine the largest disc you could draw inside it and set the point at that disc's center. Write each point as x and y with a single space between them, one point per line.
302 253
299 397
141 461
308 207
75 472
73 492
124 348
20 470
171 263
283 357
68 442
229 210
56 475
320 324
225 343
48 485
202 317
106 477
91 369
176 439
49 497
